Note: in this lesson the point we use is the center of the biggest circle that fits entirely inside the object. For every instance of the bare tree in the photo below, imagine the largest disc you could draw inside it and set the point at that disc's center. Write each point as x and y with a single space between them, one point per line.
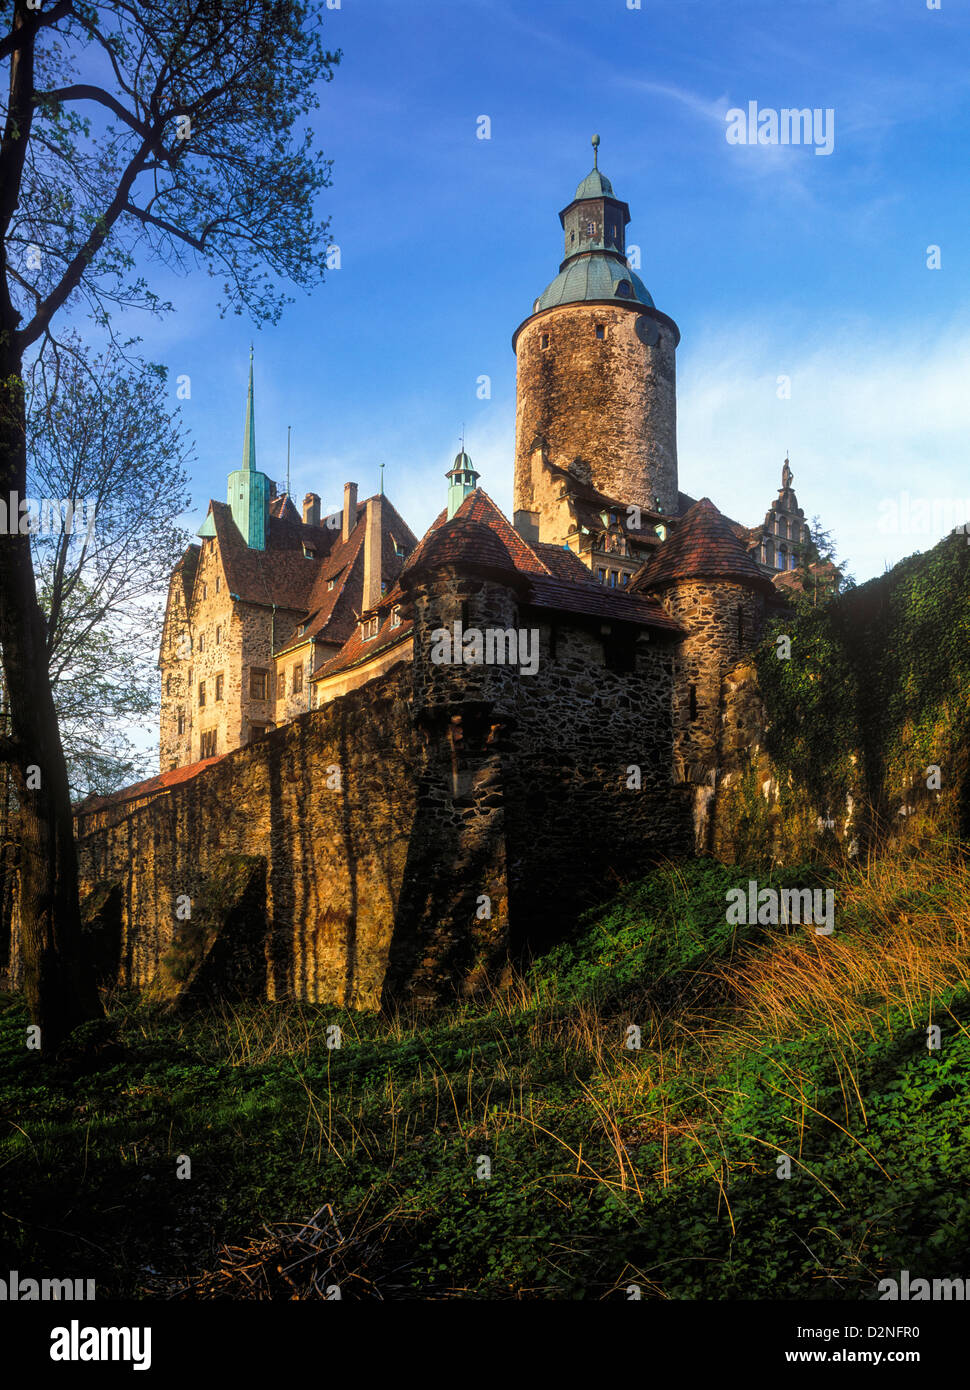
166 128
106 456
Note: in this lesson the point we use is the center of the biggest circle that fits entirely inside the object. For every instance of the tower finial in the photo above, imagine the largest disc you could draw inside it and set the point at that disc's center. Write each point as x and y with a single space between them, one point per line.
596 151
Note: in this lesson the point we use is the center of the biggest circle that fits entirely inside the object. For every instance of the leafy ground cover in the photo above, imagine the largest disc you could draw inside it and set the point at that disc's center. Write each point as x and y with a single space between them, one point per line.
761 1049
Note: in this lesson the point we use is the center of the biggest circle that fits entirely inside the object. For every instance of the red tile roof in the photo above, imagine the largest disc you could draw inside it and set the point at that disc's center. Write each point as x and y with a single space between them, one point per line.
152 785
280 574
597 601
703 545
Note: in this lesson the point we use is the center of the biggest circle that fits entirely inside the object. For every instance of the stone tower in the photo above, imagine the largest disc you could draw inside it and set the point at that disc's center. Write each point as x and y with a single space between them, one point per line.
596 385
705 579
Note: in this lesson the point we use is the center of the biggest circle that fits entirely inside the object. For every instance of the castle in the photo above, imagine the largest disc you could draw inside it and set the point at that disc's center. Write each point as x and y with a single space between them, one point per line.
347 707
279 612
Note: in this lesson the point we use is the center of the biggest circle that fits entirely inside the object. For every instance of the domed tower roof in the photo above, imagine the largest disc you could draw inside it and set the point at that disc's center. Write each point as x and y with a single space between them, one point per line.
595 265
702 547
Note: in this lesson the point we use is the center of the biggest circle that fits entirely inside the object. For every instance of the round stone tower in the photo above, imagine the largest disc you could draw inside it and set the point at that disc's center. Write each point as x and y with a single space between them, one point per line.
596 382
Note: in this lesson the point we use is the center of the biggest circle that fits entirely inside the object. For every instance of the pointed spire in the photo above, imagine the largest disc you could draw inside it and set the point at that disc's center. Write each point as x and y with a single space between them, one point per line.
249 438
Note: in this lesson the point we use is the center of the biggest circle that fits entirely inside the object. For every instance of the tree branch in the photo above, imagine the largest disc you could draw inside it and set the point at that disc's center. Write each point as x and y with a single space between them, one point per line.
83 91
15 40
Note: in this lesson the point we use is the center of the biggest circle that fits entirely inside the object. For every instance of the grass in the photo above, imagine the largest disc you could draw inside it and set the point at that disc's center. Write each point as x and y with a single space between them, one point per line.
760 1048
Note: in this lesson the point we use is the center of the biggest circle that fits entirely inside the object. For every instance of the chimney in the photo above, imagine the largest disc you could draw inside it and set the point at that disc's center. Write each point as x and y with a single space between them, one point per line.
372 554
350 510
311 509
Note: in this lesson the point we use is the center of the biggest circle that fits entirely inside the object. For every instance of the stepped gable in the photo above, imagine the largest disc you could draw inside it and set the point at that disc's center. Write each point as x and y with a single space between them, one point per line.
703 546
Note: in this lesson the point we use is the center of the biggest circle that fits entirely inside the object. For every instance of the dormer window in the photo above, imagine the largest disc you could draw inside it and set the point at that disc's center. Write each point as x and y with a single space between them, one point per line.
307 553
624 289
396 616
369 627
330 584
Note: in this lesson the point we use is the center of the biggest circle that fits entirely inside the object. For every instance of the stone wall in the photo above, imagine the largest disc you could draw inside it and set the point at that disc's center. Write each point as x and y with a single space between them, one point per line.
417 828
724 621
610 401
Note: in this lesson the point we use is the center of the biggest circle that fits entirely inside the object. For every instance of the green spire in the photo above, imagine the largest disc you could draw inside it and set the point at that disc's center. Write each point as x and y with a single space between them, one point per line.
249 438
248 492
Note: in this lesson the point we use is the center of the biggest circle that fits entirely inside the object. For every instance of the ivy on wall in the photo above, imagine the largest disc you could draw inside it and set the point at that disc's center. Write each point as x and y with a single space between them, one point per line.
876 691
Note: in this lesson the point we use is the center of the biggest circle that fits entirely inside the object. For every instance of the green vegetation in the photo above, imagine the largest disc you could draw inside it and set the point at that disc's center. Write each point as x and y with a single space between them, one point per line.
876 688
610 1165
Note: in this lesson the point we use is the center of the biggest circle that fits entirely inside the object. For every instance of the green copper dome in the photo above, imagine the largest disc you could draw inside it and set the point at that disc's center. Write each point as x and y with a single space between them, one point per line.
595 261
595 277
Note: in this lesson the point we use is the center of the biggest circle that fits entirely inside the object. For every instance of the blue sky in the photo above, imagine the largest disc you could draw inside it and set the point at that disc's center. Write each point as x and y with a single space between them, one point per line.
774 261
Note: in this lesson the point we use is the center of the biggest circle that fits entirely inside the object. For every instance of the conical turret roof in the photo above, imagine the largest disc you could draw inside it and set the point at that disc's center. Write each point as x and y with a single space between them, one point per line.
703 546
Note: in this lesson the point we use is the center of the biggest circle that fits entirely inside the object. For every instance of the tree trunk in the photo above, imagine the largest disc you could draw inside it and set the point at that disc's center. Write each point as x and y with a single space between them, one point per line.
59 987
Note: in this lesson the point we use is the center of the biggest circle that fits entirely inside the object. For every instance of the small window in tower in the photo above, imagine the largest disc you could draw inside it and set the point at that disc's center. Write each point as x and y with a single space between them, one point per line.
545 340
168 685
218 583
201 694
601 330
201 641
181 723
572 238
205 591
614 578
780 560
258 682
281 685
220 685
218 634
692 702
601 575
297 679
